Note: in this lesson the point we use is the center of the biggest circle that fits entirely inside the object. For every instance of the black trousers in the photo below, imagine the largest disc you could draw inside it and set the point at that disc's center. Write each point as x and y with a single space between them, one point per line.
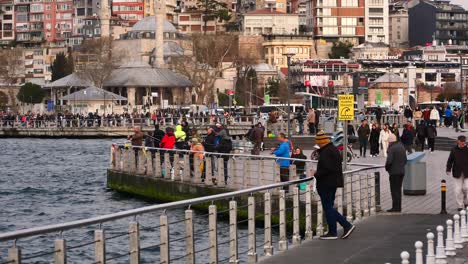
311 128
422 142
363 147
396 184
284 176
431 143
374 148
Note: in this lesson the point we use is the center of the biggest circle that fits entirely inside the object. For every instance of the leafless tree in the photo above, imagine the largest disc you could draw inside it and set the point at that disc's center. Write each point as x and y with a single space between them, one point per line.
100 60
11 65
212 55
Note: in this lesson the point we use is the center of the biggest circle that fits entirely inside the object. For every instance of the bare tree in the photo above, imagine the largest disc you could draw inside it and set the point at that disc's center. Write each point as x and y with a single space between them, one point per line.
100 60
11 65
212 55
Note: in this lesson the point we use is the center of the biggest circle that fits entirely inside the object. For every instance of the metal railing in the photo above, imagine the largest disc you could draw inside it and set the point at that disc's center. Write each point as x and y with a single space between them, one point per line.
155 232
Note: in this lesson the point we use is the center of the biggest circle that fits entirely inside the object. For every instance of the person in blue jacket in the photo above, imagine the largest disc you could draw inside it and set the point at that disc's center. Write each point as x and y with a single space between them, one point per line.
283 151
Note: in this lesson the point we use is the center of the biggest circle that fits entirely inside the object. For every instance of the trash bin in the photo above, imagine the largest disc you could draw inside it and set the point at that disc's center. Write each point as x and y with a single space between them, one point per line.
414 182
329 125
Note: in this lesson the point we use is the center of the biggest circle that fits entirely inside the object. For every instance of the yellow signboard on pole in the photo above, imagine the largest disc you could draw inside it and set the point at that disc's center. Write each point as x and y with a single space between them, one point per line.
346 107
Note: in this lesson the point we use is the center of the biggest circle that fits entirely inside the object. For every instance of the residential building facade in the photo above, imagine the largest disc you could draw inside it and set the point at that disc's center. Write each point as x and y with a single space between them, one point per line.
7 31
437 20
275 48
398 29
269 21
193 22
376 22
128 10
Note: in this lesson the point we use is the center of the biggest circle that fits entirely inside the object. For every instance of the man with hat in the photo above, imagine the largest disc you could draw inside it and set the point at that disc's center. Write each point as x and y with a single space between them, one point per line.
457 165
395 166
329 177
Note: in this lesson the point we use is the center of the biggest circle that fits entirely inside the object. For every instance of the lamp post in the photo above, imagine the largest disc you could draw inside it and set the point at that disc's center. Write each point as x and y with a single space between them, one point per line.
289 55
462 85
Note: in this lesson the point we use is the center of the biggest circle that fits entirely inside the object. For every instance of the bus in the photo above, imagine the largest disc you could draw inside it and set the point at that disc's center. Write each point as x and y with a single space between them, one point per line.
282 108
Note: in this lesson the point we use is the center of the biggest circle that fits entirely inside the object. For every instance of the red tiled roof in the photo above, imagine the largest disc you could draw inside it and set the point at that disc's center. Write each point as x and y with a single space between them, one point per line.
266 11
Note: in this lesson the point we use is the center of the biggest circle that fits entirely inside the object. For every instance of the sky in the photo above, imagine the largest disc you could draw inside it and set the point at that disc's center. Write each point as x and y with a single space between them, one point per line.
464 3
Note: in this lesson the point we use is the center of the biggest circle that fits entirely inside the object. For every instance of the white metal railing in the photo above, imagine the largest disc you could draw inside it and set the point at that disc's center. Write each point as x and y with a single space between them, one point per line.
151 230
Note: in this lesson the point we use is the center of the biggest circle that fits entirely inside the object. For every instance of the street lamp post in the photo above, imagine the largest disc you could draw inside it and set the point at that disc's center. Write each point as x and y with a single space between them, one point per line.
462 85
289 56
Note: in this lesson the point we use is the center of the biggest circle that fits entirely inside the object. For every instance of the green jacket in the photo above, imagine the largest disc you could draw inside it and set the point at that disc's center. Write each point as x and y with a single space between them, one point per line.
179 134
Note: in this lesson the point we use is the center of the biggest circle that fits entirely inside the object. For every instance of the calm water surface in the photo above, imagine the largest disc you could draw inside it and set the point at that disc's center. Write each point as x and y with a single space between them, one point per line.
47 181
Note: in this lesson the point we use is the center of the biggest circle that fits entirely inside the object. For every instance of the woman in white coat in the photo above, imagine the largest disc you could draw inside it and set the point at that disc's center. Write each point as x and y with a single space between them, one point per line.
383 139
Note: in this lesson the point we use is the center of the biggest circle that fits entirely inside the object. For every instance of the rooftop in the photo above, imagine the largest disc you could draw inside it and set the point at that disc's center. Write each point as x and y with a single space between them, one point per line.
93 93
268 11
149 24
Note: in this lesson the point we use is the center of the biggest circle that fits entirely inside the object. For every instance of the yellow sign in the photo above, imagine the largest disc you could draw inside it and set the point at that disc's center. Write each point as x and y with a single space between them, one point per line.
345 107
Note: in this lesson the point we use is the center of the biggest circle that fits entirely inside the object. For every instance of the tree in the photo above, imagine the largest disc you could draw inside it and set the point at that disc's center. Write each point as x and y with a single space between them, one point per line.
340 50
31 93
62 66
101 60
3 100
246 85
277 88
212 55
11 65
450 92
213 10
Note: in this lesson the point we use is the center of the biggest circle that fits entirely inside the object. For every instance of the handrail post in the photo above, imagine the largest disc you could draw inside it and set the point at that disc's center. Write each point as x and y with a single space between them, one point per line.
246 175
14 255
319 228
176 165
252 245
164 239
99 246
372 193
157 165
366 196
268 248
358 198
186 168
213 233
196 168
220 179
309 234
208 171
233 246
141 162
60 255
349 197
134 241
292 177
149 164
283 241
296 240
167 166
189 241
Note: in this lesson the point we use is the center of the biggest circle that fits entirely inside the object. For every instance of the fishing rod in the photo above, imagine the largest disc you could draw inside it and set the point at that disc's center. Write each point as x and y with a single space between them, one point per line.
146 135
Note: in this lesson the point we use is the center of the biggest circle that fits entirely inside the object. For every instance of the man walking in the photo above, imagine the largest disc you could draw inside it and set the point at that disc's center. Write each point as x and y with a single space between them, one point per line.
257 139
363 134
329 176
311 121
395 166
457 165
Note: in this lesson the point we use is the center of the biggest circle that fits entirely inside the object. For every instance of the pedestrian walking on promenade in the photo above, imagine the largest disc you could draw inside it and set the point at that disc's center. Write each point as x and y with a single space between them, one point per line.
383 138
431 136
407 138
378 115
311 121
441 116
408 113
300 121
395 166
257 139
417 115
363 135
329 177
421 134
448 117
283 151
374 140
396 131
457 165
434 116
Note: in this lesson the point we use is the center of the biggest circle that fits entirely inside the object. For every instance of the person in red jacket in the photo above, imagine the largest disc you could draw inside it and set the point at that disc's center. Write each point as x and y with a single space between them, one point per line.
168 141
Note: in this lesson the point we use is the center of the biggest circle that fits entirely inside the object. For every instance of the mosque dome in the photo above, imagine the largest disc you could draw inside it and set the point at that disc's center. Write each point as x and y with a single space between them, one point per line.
148 24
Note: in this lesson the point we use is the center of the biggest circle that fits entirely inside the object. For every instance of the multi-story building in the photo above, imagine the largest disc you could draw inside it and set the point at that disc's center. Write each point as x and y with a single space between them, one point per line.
376 22
193 22
437 20
269 21
82 10
7 33
339 21
398 26
275 48
129 10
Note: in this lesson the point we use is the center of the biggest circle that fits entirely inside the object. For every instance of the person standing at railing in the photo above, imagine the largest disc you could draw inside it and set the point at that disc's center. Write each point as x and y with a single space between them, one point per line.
329 177
180 136
225 147
198 153
257 139
283 151
383 138
395 166
457 166
311 121
363 135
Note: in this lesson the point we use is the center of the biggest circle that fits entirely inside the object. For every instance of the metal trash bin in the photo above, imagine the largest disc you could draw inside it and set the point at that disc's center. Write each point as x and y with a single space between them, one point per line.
414 182
329 125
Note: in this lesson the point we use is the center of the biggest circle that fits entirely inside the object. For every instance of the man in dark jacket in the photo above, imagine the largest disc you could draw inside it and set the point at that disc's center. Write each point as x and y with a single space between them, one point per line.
457 165
363 134
257 139
300 121
329 176
395 166
158 135
378 114
431 133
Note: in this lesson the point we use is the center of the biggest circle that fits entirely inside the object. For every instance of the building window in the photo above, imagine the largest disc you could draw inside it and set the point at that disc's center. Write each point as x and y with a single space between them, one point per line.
353 3
432 57
348 21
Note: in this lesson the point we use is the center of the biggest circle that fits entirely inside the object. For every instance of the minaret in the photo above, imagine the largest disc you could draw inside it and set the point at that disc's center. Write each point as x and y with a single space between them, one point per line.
105 18
160 15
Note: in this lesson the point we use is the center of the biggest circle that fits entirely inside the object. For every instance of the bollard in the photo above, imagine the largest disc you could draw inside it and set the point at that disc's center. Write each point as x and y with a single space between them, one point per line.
405 257
456 232
449 244
430 257
443 199
441 258
419 252
463 231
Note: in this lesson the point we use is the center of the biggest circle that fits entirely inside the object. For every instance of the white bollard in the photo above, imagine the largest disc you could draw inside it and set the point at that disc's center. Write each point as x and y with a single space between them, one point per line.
419 252
441 258
404 257
463 227
449 244
430 257
456 233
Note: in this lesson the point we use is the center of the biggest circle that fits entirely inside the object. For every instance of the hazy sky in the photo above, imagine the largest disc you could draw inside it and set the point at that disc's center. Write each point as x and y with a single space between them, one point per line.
464 3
